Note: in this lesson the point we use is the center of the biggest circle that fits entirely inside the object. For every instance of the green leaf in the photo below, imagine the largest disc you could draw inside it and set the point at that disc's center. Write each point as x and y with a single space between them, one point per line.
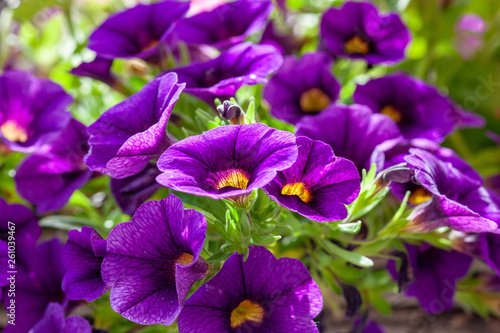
64 222
352 257
350 228
219 256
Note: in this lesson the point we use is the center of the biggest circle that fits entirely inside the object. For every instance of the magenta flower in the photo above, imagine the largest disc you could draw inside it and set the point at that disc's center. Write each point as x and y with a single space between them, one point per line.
318 185
261 294
152 261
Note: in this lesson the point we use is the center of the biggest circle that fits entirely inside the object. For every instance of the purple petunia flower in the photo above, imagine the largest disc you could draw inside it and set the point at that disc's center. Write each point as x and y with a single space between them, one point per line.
227 161
418 108
301 87
318 185
83 254
359 31
226 25
99 69
32 110
448 197
54 321
435 275
138 32
261 294
353 131
152 261
49 178
223 76
24 232
365 325
37 286
131 192
127 136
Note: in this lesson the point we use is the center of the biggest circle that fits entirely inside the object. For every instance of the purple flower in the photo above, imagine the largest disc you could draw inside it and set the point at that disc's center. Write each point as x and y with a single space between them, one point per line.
24 232
152 261
32 110
448 197
227 161
364 325
261 294
302 87
54 321
318 185
418 108
223 76
353 131
435 275
48 178
138 32
226 25
131 192
127 136
99 69
469 29
358 30
83 254
37 286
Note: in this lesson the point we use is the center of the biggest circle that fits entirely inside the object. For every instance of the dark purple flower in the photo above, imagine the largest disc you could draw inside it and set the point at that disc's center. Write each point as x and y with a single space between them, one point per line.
223 76
353 131
469 30
32 110
261 294
435 275
54 321
226 25
358 30
227 161
24 232
83 254
318 185
138 32
37 286
302 87
367 326
152 261
448 197
99 69
127 136
418 108
131 192
48 178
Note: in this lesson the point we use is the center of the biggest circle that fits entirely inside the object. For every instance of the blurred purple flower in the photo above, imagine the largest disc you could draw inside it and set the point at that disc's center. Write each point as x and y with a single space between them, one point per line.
54 321
469 31
48 178
152 261
359 31
435 275
302 87
318 185
32 110
285 42
99 69
418 108
261 294
223 76
226 25
353 131
227 161
138 32
127 136
83 254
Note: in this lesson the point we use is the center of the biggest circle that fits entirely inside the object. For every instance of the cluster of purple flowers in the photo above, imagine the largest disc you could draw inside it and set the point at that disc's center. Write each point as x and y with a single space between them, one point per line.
151 263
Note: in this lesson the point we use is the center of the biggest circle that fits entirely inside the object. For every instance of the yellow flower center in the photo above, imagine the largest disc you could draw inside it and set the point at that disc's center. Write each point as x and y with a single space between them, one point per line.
420 195
298 189
246 311
356 45
392 112
232 177
314 100
13 132
184 259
